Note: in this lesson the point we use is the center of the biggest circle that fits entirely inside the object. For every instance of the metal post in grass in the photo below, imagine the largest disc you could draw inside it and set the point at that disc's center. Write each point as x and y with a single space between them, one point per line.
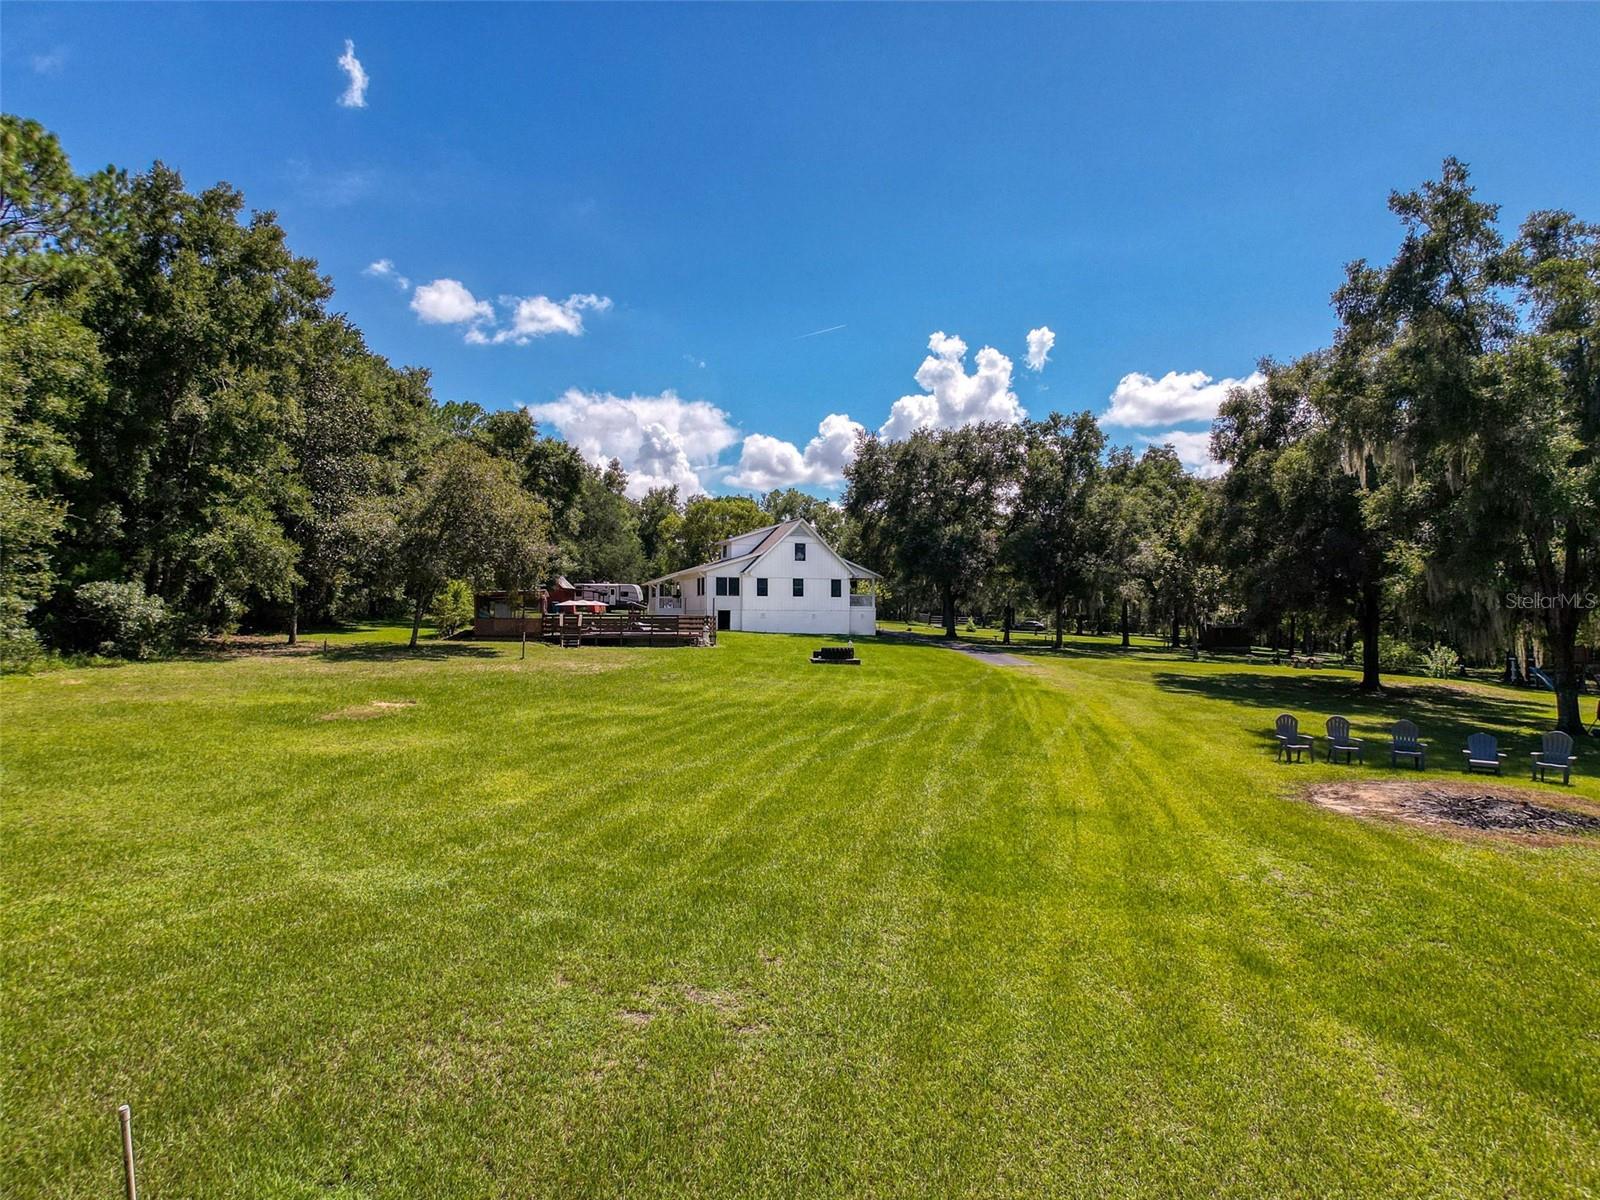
125 1117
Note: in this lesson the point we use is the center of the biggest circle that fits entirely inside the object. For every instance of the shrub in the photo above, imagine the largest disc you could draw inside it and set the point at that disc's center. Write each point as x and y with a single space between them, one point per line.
19 644
1394 656
1441 662
453 608
121 619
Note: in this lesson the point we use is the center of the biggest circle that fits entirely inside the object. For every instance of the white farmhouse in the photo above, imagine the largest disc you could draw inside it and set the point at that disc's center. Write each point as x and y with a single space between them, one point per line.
780 579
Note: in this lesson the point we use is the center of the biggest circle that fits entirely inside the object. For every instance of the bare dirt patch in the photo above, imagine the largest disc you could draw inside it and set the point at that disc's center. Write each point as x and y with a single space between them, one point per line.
366 712
1477 808
723 1002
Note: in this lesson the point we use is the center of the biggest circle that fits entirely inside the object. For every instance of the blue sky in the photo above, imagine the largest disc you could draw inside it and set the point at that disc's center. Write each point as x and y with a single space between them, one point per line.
630 218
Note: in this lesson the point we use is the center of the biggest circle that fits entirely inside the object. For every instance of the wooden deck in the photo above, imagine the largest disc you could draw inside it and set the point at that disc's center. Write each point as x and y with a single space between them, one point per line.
602 629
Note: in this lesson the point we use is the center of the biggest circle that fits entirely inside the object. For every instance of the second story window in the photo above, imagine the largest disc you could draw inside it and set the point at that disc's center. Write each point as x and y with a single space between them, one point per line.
838 587
799 587
761 585
799 554
722 585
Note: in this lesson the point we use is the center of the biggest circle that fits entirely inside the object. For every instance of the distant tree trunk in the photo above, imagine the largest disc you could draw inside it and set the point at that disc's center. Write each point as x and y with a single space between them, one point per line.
1006 619
1292 649
1059 619
1177 632
1124 624
1561 664
416 619
949 600
294 615
1370 621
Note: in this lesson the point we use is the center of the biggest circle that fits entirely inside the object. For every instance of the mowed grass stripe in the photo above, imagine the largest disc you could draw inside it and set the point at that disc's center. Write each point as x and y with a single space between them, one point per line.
724 923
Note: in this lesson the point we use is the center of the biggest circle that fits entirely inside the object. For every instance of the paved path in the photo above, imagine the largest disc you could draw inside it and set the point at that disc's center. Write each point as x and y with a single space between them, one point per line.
998 658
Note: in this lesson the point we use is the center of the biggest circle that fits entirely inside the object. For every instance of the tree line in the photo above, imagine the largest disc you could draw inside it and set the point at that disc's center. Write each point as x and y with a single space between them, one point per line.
1431 472
193 440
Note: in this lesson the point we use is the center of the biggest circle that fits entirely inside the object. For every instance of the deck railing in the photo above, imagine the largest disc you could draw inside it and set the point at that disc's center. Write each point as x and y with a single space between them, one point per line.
630 628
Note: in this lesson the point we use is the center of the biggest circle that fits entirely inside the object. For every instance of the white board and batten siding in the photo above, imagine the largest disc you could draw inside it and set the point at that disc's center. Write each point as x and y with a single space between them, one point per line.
816 610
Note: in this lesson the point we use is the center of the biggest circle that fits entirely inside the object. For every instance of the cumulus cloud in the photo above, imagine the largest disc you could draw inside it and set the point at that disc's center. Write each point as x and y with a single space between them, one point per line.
1177 396
951 398
447 302
385 269
660 440
539 316
1040 342
767 462
355 91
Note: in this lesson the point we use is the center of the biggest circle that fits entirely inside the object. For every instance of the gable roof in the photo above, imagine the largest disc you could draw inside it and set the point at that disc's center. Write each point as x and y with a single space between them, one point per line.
748 532
774 535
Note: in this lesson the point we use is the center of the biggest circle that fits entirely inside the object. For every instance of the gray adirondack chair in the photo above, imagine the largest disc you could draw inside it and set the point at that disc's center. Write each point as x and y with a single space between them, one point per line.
1291 742
1406 742
1555 754
1340 741
1483 753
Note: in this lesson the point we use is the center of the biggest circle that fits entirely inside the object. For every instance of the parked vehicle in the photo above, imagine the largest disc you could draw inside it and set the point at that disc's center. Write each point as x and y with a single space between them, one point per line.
1030 625
613 595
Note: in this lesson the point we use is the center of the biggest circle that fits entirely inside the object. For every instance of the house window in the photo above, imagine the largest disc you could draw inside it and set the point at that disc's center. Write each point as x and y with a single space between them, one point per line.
799 554
761 586
700 586
799 587
733 585
838 588
722 585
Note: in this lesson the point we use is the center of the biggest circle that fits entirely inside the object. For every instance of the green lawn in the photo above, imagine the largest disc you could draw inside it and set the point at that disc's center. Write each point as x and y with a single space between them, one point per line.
721 923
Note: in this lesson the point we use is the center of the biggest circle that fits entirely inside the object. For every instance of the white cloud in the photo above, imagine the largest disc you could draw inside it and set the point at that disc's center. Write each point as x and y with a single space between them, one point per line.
447 302
385 269
660 440
355 91
1040 342
767 462
951 397
49 63
1193 450
539 316
1177 396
